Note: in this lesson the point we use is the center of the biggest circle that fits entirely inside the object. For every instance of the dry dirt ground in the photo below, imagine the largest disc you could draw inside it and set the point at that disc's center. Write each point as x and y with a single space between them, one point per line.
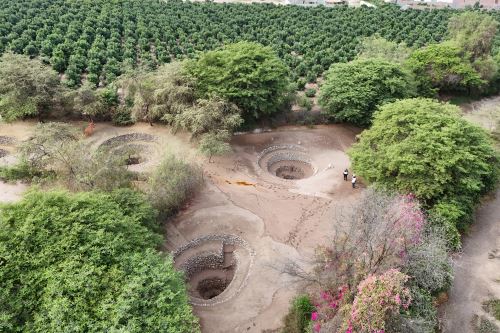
275 220
477 267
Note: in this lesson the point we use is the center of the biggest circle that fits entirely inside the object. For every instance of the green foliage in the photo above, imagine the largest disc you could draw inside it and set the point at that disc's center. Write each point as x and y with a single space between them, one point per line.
474 32
171 184
27 87
123 116
305 103
424 147
55 148
104 38
299 315
421 316
86 263
246 74
207 116
442 67
376 47
311 92
20 171
352 92
493 306
211 144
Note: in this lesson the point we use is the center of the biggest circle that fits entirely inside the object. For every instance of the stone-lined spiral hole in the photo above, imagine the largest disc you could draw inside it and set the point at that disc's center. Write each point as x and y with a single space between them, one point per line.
136 148
216 267
289 162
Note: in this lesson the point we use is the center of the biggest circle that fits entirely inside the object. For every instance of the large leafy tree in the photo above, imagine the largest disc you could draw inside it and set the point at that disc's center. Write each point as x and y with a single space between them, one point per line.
443 67
425 147
474 33
86 263
27 87
354 90
246 74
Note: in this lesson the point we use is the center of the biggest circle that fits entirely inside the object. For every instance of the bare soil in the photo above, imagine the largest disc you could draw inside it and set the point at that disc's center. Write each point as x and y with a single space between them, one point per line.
281 220
477 266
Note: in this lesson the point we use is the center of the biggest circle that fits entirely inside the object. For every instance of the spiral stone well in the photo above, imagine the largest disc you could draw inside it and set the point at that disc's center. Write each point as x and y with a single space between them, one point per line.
289 162
216 267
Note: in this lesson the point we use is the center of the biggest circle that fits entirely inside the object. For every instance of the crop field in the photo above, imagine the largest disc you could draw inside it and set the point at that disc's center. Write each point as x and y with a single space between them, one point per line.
103 38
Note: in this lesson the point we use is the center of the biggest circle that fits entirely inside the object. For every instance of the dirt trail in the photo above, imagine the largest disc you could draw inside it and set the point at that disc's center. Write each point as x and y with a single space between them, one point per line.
477 275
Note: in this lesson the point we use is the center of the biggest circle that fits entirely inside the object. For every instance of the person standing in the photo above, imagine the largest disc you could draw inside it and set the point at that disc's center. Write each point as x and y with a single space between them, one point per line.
353 181
346 172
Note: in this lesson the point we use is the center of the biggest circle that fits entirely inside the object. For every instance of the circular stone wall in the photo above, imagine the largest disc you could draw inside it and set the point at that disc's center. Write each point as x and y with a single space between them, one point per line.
289 162
138 147
216 267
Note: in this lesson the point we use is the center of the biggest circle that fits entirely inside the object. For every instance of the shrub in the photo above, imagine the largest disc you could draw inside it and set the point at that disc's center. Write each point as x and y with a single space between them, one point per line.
310 92
378 298
172 183
123 117
305 103
299 315
301 83
87 262
353 91
428 263
421 316
493 306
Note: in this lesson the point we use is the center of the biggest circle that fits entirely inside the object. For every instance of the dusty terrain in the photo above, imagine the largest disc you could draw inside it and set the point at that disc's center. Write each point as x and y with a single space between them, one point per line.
477 266
477 270
273 220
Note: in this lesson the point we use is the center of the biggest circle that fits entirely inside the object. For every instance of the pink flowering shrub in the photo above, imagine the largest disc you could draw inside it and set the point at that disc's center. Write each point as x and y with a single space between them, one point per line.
377 297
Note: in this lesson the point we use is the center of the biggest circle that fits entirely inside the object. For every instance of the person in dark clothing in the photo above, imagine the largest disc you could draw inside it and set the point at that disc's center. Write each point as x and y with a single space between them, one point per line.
346 172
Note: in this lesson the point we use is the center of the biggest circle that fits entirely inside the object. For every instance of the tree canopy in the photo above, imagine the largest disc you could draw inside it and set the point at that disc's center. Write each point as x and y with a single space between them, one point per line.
246 74
102 39
441 66
424 147
87 262
27 87
352 91
474 33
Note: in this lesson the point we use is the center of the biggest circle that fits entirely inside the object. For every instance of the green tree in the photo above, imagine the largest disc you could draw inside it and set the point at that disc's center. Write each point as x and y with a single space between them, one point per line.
208 115
442 67
474 33
424 147
87 262
215 143
246 74
377 47
352 91
27 87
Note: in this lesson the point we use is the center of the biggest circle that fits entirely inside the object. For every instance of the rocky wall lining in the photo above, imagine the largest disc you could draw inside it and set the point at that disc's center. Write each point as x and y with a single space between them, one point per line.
130 137
7 140
209 259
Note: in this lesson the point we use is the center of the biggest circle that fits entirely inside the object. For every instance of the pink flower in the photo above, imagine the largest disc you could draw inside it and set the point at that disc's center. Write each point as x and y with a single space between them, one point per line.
314 316
317 327
397 299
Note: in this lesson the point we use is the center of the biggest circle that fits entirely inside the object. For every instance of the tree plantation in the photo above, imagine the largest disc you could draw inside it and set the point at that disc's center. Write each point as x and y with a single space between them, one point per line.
101 38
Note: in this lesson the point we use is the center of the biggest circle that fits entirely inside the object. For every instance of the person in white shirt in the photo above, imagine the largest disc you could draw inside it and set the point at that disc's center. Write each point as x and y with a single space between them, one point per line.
353 181
346 172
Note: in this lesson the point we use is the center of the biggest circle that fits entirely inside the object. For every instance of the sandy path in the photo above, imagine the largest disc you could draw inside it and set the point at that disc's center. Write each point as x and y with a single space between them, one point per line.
11 192
477 278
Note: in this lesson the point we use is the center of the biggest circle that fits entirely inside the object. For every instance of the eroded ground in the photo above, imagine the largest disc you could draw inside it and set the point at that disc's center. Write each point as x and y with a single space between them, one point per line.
270 202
